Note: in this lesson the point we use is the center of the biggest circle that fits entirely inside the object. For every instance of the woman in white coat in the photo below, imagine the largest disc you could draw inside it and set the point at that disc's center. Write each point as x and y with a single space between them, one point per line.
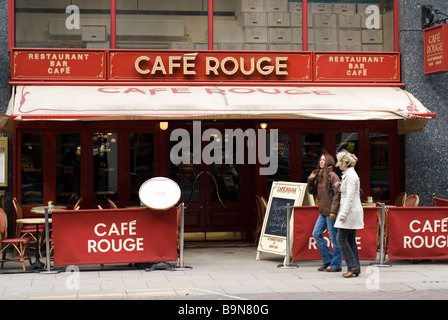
351 215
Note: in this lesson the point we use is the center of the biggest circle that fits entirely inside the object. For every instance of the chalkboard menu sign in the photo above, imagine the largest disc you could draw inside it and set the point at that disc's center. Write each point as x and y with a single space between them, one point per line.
273 234
276 223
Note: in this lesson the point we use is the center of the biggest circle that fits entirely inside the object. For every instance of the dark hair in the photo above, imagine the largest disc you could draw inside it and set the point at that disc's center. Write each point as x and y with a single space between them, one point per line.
329 162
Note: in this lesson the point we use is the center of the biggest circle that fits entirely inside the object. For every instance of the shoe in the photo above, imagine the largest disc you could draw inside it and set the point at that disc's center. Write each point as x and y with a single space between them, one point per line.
351 273
324 266
334 270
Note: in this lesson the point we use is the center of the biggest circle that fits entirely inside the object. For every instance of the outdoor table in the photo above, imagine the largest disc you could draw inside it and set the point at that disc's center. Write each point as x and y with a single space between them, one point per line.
36 221
41 209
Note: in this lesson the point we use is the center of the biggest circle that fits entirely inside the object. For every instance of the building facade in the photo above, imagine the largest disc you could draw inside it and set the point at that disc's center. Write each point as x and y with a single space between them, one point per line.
126 148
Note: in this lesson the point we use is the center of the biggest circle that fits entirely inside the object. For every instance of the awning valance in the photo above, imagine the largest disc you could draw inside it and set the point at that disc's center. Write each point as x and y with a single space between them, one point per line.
217 102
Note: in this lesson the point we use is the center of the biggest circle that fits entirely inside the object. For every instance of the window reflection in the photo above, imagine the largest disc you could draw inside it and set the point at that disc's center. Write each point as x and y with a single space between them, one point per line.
282 149
62 24
225 181
105 166
347 141
168 24
185 173
141 162
32 169
351 26
68 168
312 147
379 166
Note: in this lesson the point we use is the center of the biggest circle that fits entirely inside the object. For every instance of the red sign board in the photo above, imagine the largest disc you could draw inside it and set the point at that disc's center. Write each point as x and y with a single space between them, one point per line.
58 65
305 247
418 233
205 66
208 66
114 236
357 67
436 49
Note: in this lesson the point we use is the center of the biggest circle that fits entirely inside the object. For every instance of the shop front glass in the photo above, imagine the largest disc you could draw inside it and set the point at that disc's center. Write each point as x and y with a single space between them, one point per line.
254 25
62 24
364 25
379 166
283 151
105 167
68 168
141 155
312 148
168 24
32 168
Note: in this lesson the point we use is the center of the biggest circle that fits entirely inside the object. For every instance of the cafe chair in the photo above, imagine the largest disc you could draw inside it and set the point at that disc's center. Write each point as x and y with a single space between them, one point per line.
19 244
411 201
112 205
24 230
78 204
399 200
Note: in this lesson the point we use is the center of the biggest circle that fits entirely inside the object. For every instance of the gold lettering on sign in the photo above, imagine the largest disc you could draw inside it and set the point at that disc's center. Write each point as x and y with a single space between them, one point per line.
213 65
59 62
356 65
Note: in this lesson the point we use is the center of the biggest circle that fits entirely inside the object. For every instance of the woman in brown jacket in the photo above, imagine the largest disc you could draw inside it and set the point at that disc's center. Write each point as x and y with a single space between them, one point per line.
324 183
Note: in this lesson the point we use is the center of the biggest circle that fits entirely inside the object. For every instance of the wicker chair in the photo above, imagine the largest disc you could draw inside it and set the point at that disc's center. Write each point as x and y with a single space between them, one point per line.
411 201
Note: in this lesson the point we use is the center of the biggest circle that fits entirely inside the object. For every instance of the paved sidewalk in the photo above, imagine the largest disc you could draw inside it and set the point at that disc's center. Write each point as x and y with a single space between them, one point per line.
230 273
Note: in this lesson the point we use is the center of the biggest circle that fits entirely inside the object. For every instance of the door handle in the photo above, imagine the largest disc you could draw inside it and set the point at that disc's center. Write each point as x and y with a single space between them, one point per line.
217 188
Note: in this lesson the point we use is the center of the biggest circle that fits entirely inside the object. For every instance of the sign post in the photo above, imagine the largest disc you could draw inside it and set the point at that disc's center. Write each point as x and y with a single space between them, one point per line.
275 231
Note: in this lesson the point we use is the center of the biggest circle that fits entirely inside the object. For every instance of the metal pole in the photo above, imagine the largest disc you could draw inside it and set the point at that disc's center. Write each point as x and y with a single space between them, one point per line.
181 255
47 244
382 256
287 261
181 265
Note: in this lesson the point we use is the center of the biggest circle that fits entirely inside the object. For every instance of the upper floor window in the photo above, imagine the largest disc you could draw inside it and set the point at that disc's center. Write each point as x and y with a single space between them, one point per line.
62 24
276 25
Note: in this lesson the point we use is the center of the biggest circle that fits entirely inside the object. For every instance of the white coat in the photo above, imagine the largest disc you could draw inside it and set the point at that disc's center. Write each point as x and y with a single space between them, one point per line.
350 207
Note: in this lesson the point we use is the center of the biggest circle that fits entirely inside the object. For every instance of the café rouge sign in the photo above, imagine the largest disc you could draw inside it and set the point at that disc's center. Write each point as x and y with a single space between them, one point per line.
127 65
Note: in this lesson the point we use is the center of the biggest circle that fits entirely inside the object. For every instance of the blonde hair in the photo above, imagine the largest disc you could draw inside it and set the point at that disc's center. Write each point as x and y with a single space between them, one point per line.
349 158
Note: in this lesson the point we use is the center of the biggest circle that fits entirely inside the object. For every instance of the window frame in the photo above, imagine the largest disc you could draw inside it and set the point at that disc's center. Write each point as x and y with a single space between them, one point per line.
113 17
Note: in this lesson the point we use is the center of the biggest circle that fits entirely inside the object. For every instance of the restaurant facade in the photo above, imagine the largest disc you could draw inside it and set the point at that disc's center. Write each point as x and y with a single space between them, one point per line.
223 97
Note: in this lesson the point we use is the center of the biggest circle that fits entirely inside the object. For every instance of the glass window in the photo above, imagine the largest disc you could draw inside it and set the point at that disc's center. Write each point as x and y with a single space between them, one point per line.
168 24
62 24
141 162
105 166
312 147
363 25
379 166
257 25
32 169
183 170
348 141
225 179
282 149
68 168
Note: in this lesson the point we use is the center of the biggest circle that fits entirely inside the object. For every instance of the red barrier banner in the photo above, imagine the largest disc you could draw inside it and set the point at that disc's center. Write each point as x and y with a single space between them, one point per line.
418 233
305 247
114 236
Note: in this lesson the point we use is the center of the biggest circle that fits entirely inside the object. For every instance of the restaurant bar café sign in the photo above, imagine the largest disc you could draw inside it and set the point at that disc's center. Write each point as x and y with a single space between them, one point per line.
177 66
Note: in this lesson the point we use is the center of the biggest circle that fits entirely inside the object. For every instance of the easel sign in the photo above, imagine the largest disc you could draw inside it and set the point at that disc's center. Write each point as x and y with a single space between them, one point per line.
273 232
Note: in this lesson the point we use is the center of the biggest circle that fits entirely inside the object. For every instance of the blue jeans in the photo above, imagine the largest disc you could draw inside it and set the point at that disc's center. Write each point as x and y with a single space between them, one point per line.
335 257
347 242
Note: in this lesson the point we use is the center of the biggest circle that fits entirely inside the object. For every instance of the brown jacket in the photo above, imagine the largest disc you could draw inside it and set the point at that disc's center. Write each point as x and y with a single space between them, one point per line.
319 187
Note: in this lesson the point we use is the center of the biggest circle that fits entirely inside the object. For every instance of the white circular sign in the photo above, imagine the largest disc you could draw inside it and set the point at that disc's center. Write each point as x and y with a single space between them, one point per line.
159 193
